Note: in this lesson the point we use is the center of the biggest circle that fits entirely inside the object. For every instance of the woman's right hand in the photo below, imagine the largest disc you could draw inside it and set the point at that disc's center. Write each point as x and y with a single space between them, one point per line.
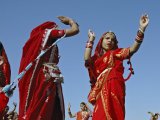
91 35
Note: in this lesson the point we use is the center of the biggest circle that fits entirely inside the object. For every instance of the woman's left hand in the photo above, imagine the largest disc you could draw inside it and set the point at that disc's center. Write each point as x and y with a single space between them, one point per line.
144 20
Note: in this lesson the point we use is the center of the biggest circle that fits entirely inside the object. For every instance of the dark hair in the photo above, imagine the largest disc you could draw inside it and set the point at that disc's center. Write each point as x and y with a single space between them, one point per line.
83 103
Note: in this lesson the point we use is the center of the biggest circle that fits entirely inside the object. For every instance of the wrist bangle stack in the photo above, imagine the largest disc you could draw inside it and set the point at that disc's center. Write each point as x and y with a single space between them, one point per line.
139 37
89 44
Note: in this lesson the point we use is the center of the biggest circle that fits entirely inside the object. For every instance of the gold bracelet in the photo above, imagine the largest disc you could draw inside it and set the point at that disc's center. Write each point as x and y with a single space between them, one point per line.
89 45
140 29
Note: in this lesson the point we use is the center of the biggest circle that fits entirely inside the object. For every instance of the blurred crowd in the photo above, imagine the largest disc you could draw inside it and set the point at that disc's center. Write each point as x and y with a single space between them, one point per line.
10 115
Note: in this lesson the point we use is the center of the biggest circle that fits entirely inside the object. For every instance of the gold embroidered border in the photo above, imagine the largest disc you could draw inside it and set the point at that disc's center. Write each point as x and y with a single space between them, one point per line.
102 82
105 103
115 97
123 54
111 61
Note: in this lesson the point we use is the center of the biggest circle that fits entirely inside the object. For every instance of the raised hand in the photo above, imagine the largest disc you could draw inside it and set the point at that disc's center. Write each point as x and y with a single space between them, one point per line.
144 20
91 35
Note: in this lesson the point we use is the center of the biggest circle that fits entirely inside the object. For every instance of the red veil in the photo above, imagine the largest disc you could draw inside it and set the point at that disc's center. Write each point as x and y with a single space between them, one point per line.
34 42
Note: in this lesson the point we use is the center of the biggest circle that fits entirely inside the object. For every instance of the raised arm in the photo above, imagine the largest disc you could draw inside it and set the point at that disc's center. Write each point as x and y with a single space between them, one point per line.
144 20
89 45
69 112
74 27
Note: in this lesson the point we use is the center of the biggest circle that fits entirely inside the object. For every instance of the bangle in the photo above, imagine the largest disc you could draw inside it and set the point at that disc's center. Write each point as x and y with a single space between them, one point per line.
89 44
139 37
138 41
140 29
140 34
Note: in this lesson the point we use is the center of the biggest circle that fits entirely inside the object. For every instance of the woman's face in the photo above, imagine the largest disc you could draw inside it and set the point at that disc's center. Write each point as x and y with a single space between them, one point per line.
108 42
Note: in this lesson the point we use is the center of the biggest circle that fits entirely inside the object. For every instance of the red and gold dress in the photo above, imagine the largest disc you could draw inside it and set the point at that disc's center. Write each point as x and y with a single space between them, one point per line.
108 86
40 98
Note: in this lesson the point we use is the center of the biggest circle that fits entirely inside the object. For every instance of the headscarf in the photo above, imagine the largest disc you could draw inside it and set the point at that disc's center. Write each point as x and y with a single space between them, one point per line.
33 45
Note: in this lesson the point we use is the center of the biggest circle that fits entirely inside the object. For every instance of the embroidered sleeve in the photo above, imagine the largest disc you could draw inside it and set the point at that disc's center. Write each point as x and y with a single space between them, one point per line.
57 33
123 53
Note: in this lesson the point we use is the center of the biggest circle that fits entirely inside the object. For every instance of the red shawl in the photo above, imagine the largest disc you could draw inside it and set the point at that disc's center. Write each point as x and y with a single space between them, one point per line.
30 51
34 42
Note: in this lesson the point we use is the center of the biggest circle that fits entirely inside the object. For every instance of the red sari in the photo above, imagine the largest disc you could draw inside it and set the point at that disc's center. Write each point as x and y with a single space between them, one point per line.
82 115
40 99
108 86
5 74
